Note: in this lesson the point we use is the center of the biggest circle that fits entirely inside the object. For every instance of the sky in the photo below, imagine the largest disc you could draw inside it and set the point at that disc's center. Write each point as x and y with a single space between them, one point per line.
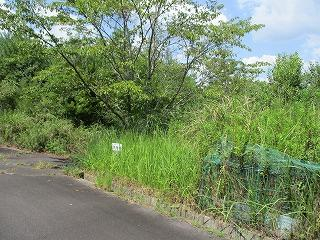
290 26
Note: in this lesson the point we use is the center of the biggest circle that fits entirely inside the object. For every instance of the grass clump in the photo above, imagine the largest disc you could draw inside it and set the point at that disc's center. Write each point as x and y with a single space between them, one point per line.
44 165
160 161
104 180
74 171
45 133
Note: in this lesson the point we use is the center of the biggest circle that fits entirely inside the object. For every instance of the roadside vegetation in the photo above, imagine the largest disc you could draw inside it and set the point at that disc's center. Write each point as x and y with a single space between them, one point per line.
171 90
48 133
159 161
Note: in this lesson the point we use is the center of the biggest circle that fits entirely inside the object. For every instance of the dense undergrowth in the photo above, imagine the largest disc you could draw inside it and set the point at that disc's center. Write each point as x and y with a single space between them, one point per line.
292 128
47 133
171 162
78 96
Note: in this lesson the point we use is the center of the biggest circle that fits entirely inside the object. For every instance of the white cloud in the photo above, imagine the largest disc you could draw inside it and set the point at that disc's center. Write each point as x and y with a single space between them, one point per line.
316 51
2 5
313 40
248 3
284 19
271 59
313 46
47 12
62 31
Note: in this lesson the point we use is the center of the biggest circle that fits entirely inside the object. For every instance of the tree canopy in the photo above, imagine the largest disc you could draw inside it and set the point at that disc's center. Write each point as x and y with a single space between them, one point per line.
141 60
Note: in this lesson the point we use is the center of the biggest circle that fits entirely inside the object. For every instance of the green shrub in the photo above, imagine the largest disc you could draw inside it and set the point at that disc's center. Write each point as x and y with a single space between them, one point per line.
43 134
12 124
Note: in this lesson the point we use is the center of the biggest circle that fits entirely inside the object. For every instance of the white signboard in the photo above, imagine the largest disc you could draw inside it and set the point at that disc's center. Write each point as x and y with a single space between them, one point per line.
116 147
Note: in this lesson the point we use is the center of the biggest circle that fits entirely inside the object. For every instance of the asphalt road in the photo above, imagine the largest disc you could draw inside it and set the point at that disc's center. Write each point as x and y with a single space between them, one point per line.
43 204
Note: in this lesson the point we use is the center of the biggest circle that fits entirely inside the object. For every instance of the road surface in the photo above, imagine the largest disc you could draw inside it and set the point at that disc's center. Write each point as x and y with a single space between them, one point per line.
37 202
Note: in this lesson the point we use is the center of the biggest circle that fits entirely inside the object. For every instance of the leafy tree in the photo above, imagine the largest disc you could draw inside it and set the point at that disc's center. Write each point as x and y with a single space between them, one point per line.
287 75
230 74
311 84
312 76
122 52
20 60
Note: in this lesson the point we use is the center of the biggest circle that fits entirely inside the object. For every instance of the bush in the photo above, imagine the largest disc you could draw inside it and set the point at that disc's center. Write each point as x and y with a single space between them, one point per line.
12 124
42 134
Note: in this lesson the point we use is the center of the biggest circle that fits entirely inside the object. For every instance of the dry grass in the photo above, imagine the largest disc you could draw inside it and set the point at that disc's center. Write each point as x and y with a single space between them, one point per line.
44 165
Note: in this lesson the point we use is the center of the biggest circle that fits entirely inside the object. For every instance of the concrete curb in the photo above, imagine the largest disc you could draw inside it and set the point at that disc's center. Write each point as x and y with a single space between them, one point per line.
223 229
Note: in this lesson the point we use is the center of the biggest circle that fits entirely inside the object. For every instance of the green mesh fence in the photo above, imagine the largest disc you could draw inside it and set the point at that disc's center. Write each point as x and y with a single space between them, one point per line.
259 185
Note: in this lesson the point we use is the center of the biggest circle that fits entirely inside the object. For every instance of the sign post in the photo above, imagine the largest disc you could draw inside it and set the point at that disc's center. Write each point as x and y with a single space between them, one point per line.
116 147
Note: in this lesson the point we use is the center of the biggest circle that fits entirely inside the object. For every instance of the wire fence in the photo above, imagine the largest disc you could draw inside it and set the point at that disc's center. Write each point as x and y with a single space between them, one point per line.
261 186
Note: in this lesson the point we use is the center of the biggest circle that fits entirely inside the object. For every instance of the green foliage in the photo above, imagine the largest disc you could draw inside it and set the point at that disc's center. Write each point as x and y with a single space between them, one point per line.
20 60
8 94
288 70
159 161
260 184
104 181
50 134
287 74
128 65
121 54
12 124
312 76
291 128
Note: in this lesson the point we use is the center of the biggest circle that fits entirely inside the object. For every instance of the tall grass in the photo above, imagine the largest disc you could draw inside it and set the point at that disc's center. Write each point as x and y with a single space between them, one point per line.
260 185
290 128
171 162
159 161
